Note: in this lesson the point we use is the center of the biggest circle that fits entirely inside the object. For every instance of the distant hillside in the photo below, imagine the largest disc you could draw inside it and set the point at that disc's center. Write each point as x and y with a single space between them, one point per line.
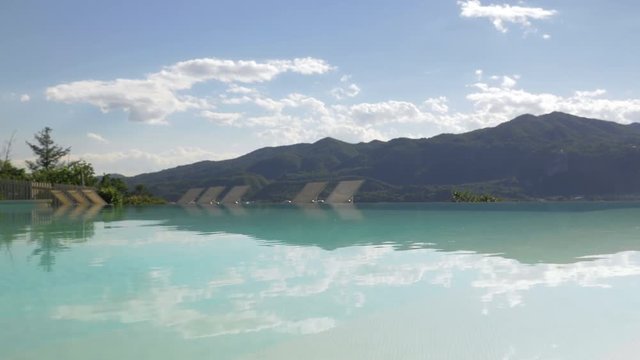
553 155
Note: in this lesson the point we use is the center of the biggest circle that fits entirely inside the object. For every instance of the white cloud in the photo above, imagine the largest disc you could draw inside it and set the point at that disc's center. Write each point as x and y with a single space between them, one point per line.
384 112
298 117
169 306
495 104
501 279
502 14
237 89
479 74
546 36
184 74
509 279
222 118
157 96
345 90
147 100
308 326
135 161
12 96
234 100
437 105
508 82
97 137
590 94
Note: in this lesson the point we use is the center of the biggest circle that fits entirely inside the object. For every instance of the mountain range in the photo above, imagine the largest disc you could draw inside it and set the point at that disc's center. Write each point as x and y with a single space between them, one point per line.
552 156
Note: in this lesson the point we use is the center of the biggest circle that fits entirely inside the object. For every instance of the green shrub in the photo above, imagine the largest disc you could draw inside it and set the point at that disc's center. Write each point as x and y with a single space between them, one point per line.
143 200
468 196
111 195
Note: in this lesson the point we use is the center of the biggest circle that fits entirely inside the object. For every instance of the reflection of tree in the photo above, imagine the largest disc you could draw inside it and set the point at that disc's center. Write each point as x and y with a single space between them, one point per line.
114 213
56 236
12 225
48 230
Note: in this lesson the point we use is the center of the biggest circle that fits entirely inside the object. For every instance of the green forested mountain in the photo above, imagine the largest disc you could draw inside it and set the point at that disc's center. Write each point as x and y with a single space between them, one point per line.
553 155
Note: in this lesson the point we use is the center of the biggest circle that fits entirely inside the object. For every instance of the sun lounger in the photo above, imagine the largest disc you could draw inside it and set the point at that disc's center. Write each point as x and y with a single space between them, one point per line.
210 196
344 191
62 198
309 193
93 196
77 197
235 195
190 196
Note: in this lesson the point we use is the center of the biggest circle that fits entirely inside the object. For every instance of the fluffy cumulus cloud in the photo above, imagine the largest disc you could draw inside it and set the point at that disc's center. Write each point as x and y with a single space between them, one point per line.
437 105
503 14
495 103
299 117
25 98
158 95
346 89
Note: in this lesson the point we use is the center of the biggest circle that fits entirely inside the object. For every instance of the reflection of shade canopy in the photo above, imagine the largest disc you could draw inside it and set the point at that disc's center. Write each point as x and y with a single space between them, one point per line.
235 194
210 196
309 192
190 196
344 191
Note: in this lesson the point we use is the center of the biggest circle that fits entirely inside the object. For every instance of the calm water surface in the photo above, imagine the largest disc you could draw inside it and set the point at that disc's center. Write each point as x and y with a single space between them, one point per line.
443 281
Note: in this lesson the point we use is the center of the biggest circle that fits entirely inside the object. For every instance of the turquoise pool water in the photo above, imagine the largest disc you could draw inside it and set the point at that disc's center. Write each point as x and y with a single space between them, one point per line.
424 281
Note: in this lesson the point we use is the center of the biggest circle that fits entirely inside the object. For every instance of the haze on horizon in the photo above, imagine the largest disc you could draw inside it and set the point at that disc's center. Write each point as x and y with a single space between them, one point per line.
143 86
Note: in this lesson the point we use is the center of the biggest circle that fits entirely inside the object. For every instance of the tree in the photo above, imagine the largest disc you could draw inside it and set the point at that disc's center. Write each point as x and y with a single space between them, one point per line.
141 190
142 196
47 152
112 190
10 172
74 173
116 183
115 192
6 148
7 170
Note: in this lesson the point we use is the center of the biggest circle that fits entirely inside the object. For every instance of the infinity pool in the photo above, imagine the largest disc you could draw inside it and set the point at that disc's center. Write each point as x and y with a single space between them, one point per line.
425 281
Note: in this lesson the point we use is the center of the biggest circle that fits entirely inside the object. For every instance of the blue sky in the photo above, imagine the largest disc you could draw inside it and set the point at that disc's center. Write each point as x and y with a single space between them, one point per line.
138 86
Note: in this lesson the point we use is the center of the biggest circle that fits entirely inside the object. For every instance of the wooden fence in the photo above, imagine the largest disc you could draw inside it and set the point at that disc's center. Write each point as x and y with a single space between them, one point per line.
28 190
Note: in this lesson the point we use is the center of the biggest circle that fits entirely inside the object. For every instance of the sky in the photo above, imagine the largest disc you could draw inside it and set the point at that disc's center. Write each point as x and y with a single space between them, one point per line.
140 86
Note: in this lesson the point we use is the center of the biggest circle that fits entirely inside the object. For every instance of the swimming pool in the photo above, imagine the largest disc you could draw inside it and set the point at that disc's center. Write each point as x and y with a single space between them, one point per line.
379 281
